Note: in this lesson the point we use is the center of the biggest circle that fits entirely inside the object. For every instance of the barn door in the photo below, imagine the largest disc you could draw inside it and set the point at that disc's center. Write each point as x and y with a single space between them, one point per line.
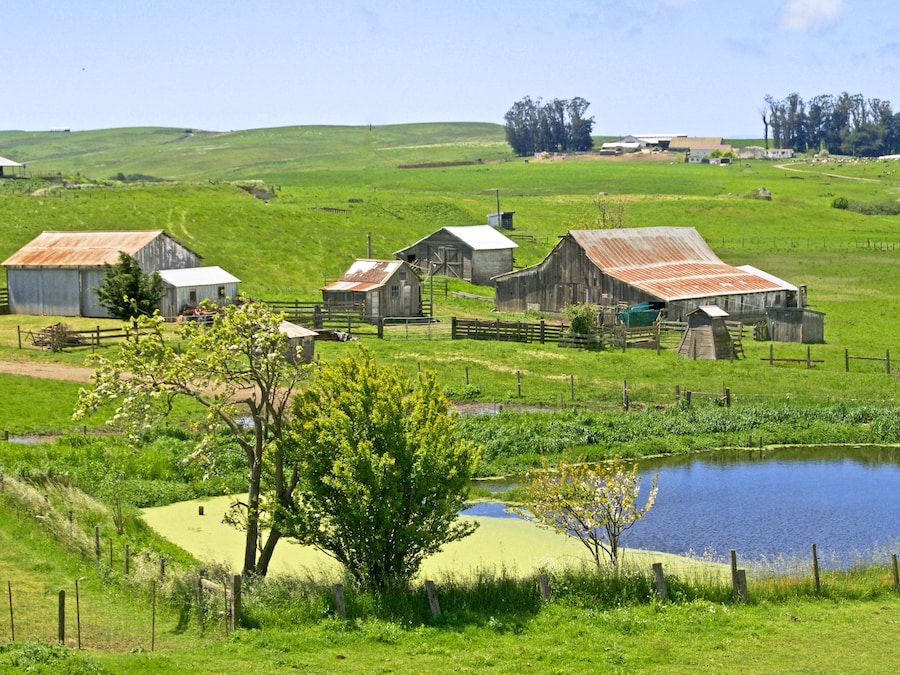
446 261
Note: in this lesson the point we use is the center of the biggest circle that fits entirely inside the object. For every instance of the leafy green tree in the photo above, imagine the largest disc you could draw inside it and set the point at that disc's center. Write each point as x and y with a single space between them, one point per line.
583 318
128 292
382 474
239 371
595 504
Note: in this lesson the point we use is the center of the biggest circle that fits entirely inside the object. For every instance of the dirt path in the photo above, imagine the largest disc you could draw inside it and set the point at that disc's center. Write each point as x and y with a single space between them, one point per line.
785 167
47 371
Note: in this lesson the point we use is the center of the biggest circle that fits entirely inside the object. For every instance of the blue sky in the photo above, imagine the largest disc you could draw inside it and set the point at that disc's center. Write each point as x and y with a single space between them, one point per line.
700 67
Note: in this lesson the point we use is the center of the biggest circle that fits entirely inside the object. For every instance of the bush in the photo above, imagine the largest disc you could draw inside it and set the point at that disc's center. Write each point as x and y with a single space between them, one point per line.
840 203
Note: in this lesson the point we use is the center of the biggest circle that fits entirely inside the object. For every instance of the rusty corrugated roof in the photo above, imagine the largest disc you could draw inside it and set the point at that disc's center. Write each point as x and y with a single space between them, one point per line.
671 263
79 249
365 275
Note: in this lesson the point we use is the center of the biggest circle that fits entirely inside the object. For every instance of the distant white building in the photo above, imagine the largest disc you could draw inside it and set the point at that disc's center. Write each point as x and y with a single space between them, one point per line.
190 286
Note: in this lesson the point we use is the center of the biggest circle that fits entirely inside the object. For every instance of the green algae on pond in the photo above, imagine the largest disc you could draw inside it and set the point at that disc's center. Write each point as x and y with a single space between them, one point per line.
512 545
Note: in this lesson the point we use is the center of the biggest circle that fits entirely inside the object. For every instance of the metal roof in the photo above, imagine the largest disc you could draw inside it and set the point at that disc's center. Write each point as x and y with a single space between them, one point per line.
671 263
365 275
476 237
197 276
8 162
80 249
292 330
711 311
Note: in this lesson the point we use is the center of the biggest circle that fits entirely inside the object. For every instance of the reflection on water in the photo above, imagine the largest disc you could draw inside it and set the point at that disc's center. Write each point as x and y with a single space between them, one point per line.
846 500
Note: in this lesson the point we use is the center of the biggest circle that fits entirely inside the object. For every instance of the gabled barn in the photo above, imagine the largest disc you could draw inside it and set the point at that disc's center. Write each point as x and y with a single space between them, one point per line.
301 342
672 265
56 272
189 286
384 287
706 335
472 252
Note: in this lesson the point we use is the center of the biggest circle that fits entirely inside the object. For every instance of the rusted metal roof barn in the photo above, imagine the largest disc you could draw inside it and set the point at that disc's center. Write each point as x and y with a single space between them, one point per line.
673 265
475 253
189 286
56 273
385 288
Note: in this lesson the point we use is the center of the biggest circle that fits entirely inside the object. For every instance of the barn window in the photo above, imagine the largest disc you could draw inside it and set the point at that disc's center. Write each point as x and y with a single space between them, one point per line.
221 292
402 275
192 296
395 291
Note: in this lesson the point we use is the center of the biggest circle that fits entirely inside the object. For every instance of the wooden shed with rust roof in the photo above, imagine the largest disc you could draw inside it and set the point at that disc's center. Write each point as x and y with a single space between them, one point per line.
381 288
56 272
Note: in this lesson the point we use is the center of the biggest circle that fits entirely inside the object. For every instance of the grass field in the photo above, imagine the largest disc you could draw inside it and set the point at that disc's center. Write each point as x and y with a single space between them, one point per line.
287 247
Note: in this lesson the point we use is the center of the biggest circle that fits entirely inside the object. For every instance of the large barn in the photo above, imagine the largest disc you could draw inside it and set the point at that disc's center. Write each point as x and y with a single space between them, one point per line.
385 288
56 273
673 265
474 253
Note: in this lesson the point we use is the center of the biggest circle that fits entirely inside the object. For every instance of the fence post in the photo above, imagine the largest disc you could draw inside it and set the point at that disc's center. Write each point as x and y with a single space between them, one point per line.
12 623
432 597
544 584
542 331
661 589
887 360
519 382
816 569
893 565
572 386
453 328
742 586
338 592
734 570
677 394
127 558
62 617
235 601
625 394
846 360
727 397
19 333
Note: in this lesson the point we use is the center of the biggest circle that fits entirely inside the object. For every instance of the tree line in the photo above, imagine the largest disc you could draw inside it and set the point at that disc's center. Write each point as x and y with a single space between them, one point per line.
847 124
559 125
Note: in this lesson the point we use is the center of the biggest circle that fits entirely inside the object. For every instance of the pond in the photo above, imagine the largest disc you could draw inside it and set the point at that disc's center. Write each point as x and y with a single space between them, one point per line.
846 500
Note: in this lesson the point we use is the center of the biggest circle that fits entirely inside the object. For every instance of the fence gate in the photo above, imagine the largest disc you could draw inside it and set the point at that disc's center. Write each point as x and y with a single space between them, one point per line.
416 328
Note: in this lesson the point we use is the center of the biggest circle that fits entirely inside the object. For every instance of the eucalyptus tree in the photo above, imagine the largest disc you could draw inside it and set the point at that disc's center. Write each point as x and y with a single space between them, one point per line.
240 371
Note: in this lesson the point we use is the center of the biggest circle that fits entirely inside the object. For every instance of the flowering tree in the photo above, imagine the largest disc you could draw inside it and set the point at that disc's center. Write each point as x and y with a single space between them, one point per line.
237 369
596 504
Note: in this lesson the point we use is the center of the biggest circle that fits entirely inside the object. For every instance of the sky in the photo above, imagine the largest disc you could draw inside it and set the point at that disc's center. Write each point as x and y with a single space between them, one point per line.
696 67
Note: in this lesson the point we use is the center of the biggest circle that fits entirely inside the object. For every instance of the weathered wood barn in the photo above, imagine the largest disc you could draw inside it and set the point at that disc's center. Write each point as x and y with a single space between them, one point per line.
795 324
673 265
384 288
189 286
471 252
706 335
56 273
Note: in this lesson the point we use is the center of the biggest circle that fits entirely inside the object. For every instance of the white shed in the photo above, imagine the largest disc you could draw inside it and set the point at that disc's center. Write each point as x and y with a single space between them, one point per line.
190 286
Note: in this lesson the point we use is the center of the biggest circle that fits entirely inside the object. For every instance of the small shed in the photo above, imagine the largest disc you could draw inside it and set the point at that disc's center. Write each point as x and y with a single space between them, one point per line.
301 342
471 252
707 335
190 286
56 273
382 287
795 324
9 167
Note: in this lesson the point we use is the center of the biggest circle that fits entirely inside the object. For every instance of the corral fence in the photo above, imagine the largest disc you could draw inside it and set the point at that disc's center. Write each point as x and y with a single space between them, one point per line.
319 316
416 328
59 337
4 301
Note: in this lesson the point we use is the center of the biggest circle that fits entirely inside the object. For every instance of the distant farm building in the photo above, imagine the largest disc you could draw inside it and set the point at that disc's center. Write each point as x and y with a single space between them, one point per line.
474 253
706 335
10 168
189 286
381 288
623 145
56 273
671 265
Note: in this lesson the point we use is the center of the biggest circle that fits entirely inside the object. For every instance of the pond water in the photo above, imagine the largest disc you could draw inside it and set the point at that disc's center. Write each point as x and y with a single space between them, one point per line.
846 500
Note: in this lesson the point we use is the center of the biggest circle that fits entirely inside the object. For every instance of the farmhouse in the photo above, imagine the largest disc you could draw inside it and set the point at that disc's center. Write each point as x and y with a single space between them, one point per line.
475 253
382 288
56 273
672 265
189 286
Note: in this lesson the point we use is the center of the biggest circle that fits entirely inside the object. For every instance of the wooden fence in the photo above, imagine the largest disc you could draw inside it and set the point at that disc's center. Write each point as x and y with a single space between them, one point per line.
886 359
4 301
58 337
320 316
